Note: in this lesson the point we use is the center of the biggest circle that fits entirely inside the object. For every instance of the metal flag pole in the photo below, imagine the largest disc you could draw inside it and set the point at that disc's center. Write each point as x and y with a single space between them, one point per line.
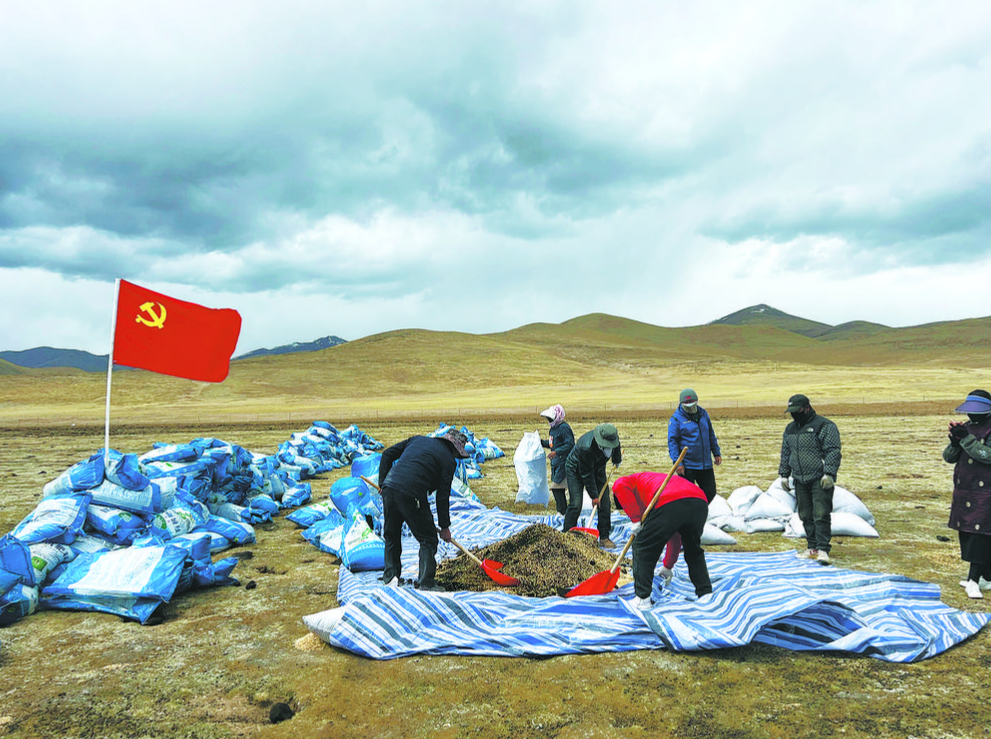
110 372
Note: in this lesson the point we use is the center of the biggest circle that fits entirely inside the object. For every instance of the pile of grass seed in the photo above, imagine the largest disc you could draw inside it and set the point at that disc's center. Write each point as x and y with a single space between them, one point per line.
546 561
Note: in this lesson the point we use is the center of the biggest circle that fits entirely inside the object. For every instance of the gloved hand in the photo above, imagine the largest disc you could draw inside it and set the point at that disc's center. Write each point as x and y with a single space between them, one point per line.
785 484
635 528
959 432
827 482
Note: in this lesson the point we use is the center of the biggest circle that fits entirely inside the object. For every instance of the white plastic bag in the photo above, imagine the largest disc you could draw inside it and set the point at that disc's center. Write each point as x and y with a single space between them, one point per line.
531 470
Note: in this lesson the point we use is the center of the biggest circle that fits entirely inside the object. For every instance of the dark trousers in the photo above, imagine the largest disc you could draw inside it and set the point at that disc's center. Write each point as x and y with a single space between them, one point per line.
399 508
560 499
705 479
815 508
686 517
574 510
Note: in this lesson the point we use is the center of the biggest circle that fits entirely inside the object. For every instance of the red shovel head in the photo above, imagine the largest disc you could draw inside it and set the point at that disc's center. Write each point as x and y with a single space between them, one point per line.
598 584
584 530
491 568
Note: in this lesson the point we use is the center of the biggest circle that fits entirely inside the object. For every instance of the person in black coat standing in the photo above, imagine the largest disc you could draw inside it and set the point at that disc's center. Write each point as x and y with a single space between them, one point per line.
408 472
810 455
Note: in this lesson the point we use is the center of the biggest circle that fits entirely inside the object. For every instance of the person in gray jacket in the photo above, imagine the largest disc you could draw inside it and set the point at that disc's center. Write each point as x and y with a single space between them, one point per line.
810 455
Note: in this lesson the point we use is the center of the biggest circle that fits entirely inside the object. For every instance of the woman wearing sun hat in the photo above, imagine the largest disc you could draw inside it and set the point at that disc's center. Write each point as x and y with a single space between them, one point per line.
970 511
560 441
585 469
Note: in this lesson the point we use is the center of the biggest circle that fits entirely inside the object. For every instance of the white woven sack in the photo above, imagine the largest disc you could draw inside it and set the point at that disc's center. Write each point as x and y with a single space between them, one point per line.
323 624
769 506
531 470
756 525
733 523
776 491
741 499
713 535
719 510
846 502
842 523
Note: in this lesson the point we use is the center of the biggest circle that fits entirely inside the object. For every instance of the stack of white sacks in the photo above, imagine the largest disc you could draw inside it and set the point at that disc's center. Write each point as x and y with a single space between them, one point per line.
752 510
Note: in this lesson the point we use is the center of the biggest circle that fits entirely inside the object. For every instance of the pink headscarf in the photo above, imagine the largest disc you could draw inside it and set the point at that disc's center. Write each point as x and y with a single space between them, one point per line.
555 413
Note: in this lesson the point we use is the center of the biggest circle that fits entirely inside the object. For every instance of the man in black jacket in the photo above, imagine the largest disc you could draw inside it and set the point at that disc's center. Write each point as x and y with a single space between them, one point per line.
586 470
810 455
408 472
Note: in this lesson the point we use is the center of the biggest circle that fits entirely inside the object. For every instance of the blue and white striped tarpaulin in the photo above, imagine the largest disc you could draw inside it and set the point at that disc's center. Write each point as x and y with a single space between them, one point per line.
767 598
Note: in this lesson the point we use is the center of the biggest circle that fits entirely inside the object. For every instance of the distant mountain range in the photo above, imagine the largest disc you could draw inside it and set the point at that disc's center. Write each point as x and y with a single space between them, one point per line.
305 346
765 315
764 331
47 357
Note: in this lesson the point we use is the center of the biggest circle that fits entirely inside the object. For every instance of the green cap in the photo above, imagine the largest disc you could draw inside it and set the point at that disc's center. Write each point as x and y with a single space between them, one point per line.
606 436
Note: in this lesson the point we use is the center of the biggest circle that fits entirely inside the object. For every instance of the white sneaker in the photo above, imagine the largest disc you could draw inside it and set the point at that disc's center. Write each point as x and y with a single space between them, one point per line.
393 583
642 604
666 575
973 590
823 557
982 584
807 554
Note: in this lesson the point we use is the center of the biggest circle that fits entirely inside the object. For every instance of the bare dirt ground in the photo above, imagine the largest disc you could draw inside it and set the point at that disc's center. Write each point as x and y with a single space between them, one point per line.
223 657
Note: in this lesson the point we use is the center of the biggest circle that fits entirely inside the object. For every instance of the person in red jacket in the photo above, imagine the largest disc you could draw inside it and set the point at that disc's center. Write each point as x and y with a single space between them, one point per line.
681 509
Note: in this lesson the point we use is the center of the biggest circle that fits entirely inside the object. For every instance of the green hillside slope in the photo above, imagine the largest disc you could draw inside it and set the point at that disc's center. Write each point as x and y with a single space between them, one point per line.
595 361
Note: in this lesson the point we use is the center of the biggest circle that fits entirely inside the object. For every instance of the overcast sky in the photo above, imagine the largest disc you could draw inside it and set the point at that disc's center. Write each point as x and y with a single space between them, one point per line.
353 168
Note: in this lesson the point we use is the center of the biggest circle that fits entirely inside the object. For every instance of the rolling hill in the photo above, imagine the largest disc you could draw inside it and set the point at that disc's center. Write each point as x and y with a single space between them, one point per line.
594 361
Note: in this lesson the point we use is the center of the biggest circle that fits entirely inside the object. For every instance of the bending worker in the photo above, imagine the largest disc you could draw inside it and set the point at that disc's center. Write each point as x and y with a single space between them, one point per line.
681 509
586 470
408 472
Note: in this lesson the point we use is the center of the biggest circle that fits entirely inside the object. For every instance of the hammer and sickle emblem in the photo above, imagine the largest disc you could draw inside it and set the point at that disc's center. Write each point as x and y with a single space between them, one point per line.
156 319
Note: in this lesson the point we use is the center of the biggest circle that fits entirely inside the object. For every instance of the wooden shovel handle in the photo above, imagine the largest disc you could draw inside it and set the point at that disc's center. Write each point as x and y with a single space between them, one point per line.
458 544
592 513
650 507
455 542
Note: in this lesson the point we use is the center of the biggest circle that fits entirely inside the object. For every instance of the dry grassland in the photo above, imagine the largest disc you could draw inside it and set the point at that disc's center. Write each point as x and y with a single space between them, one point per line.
222 657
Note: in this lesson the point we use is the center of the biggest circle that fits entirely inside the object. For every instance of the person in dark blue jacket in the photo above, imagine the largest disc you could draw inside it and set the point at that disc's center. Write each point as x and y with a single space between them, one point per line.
560 442
690 427
408 472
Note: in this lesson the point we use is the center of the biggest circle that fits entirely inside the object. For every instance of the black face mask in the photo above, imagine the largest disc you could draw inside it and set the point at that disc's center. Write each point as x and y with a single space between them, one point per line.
801 417
978 417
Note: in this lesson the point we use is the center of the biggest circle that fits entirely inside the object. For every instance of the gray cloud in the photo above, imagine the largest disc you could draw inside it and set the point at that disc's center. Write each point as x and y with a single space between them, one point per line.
524 154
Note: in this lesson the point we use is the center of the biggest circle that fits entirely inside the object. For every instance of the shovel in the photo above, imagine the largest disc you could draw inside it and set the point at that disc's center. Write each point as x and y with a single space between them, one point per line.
489 566
590 530
603 582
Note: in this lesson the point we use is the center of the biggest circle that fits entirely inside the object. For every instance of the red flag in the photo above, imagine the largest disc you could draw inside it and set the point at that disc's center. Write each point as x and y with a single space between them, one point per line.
173 337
